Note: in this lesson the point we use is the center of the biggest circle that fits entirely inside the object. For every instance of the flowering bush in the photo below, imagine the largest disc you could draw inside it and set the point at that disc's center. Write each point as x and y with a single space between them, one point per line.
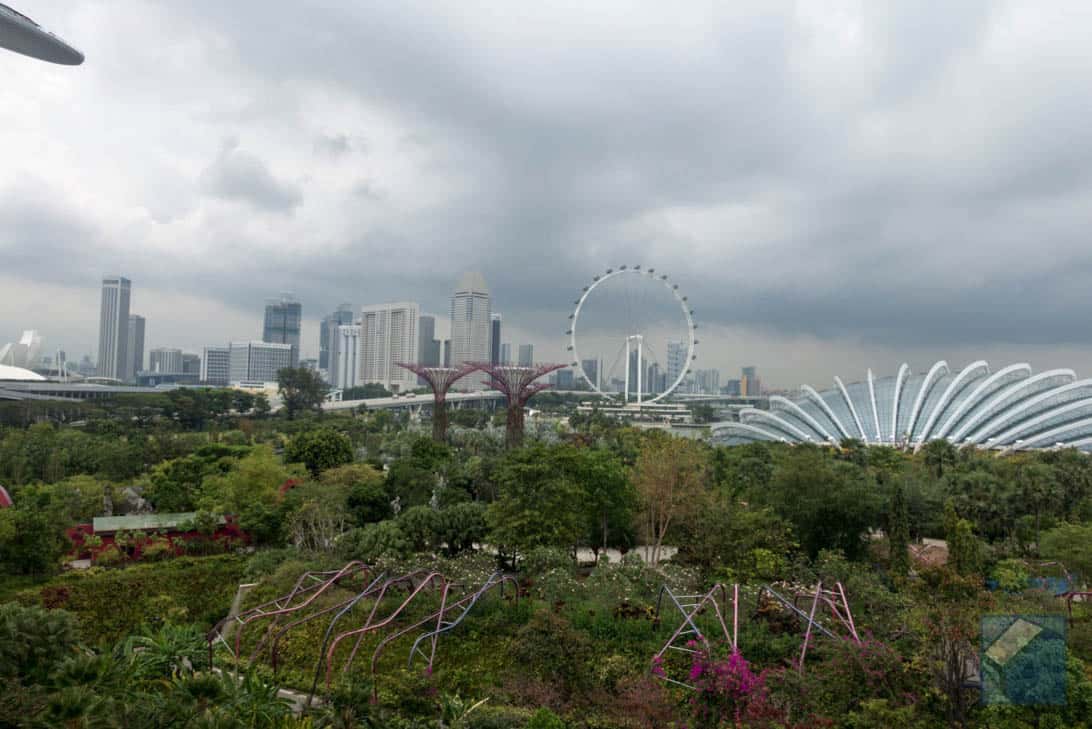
728 691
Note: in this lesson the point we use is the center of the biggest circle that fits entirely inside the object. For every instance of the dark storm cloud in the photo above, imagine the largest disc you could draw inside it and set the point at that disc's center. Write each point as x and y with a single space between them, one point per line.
890 174
241 176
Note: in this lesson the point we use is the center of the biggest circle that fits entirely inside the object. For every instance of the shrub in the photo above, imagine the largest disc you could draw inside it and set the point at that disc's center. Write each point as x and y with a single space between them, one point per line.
112 604
420 524
157 549
545 719
33 640
541 560
373 542
1011 575
319 450
111 556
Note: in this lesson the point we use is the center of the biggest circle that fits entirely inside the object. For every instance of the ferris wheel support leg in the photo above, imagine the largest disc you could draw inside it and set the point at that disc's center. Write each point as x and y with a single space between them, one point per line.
626 395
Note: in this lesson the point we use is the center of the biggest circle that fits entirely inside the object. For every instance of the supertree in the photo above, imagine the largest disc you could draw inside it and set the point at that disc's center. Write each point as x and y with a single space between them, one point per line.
440 379
518 385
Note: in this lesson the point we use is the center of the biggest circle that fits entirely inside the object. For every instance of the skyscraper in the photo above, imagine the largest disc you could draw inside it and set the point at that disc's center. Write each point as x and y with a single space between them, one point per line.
216 365
136 346
708 381
471 321
506 353
676 360
258 361
526 355
344 356
282 323
388 335
591 369
343 315
428 346
749 384
495 340
564 379
114 328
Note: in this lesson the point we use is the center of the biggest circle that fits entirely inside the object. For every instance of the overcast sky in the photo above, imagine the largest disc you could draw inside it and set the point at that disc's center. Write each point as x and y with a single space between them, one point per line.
836 185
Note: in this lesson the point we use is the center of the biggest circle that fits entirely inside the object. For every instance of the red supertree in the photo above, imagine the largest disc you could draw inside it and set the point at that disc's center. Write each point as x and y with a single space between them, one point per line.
440 379
518 385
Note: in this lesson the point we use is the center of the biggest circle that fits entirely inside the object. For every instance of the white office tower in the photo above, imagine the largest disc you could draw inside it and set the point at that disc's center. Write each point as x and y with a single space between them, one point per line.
344 355
471 321
255 362
114 328
216 365
388 335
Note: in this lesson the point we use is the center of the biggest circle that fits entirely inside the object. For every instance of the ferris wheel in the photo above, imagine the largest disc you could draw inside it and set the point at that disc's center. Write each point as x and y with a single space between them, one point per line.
643 318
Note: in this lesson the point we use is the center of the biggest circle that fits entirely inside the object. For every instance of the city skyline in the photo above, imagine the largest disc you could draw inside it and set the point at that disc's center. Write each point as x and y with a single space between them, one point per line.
877 226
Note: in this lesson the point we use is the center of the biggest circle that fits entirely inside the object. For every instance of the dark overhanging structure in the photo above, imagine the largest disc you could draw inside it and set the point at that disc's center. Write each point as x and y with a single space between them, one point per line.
440 379
517 384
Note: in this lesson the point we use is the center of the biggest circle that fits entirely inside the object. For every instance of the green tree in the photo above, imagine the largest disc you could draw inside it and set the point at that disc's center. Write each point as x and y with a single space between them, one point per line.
670 477
734 541
1070 544
254 479
939 455
319 449
830 503
964 549
33 641
537 506
300 390
460 526
31 541
898 533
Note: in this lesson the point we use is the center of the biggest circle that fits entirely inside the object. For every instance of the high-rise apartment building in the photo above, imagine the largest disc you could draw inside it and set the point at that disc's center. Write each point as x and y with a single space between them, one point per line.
165 361
526 355
676 360
495 340
428 346
388 335
344 356
471 321
216 365
592 369
707 381
258 361
749 384
136 346
343 315
114 328
283 317
565 379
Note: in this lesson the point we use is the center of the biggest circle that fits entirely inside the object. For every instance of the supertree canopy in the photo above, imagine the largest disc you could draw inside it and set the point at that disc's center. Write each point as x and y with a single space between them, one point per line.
440 379
518 385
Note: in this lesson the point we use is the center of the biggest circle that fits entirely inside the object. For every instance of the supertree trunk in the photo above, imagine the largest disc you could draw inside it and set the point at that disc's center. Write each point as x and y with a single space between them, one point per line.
440 379
518 385
439 421
513 436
